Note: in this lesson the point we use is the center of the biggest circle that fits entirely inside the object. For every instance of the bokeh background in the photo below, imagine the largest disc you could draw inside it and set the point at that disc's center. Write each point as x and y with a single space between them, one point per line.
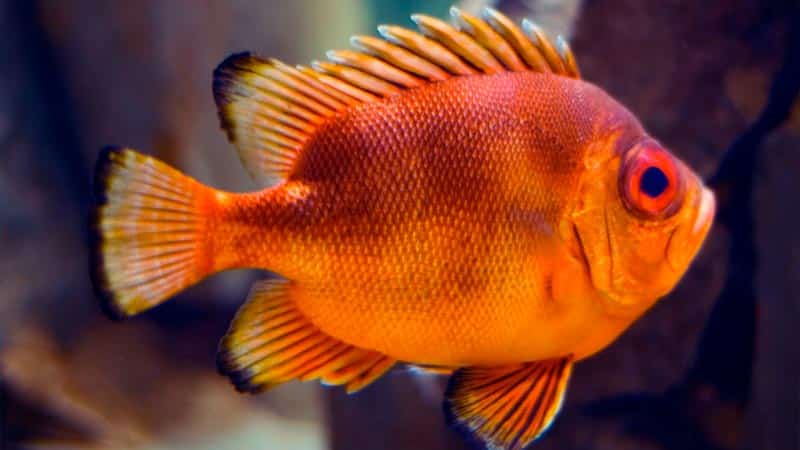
707 368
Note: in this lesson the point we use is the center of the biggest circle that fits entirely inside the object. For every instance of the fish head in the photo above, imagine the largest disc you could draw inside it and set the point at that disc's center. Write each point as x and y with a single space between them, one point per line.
640 218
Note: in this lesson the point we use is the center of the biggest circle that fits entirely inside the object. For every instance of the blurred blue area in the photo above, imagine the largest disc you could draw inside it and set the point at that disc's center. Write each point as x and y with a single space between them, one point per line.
397 12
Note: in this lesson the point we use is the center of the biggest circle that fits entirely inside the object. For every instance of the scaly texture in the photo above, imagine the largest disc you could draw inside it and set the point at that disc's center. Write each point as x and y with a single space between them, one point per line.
429 225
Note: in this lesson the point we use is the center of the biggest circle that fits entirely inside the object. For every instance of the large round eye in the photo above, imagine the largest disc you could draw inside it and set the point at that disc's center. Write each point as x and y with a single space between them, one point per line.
650 182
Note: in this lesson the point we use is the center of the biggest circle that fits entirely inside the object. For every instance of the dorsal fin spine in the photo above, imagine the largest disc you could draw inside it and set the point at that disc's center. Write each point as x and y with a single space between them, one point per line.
374 66
399 57
270 109
426 47
357 94
357 77
489 38
459 42
562 46
537 36
511 33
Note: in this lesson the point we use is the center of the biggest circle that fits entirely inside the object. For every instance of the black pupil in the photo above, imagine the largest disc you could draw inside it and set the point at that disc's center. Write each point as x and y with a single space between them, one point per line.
653 182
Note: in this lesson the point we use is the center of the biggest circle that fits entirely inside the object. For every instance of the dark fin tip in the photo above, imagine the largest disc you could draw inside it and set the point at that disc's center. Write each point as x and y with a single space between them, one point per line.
470 437
239 377
225 75
96 265
224 360
241 380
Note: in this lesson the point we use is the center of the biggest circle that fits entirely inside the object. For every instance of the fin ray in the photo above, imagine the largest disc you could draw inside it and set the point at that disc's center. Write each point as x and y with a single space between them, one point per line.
460 43
489 38
426 48
357 78
507 407
260 352
540 40
511 33
374 66
399 57
149 232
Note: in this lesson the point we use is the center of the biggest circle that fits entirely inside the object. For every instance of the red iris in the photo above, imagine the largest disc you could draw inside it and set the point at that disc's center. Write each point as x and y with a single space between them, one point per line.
650 181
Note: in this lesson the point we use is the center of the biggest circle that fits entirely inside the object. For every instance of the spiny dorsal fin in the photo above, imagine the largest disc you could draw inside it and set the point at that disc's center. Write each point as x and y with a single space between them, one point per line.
270 109
271 342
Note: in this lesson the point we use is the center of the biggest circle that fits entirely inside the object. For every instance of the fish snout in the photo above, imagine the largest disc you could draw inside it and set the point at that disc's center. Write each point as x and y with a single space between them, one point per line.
690 236
705 213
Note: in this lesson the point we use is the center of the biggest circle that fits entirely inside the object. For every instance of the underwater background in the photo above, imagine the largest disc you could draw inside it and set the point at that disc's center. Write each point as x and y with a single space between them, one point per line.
715 365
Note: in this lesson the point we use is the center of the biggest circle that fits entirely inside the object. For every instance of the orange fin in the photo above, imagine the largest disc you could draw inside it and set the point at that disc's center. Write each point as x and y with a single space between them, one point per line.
507 407
270 342
270 110
148 227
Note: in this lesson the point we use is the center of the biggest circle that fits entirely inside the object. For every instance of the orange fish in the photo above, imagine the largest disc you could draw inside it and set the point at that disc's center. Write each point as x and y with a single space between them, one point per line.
455 198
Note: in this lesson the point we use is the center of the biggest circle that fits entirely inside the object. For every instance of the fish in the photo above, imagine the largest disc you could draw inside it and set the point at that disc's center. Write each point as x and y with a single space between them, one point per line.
453 197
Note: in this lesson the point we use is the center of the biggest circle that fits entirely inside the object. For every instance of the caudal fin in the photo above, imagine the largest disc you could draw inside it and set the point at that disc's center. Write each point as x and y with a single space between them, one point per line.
149 231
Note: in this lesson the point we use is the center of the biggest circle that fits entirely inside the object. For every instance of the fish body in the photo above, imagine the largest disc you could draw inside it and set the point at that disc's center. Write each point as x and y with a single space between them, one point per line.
434 226
442 201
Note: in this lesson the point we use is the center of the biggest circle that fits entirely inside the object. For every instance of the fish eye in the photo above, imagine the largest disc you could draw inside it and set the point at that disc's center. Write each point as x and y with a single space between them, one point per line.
653 182
650 182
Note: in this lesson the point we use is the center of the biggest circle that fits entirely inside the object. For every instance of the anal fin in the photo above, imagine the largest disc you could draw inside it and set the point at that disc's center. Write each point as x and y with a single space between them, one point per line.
507 407
270 342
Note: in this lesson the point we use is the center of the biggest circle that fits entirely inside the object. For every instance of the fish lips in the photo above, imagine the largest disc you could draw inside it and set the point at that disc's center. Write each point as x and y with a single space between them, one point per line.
689 237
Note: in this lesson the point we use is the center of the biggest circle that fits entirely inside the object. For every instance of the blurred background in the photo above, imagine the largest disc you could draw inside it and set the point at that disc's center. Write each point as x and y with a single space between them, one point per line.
713 366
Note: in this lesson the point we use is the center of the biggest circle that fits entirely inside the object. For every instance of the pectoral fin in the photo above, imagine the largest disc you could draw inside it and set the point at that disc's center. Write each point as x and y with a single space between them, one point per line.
507 407
271 342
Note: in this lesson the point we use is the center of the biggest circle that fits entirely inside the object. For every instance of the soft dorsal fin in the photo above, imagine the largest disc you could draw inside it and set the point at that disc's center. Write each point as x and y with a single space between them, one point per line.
270 109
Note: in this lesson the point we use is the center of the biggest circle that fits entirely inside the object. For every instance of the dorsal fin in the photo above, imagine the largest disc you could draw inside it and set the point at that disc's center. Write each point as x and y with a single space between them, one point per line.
270 109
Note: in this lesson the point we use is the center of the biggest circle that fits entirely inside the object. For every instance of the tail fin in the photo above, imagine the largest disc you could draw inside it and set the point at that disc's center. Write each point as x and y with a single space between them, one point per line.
149 232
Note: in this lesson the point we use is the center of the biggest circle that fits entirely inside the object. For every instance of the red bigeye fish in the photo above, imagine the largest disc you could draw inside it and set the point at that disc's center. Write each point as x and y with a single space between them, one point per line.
454 198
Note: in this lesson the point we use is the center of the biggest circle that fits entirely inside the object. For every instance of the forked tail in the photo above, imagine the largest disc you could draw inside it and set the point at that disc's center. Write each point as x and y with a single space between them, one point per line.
150 232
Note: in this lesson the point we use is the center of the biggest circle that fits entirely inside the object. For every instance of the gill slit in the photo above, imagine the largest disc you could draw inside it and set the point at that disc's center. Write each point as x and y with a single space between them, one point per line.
582 250
610 251
666 249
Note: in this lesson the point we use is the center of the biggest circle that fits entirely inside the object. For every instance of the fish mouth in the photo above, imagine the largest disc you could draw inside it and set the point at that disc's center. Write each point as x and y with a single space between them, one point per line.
687 239
705 214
